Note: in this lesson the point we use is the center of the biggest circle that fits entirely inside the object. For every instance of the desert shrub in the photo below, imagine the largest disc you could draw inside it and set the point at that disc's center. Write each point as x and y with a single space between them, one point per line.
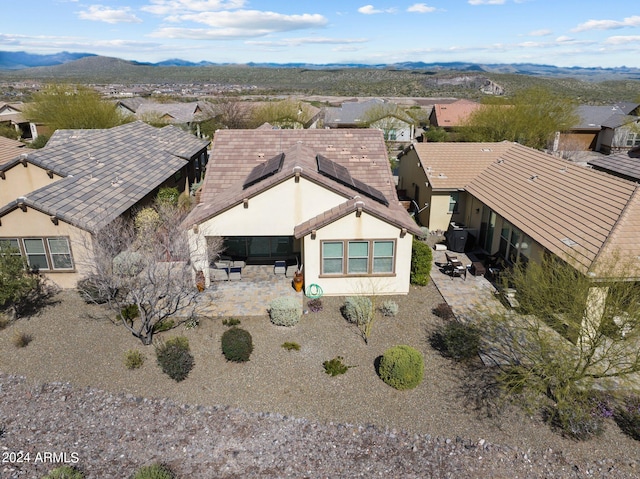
627 416
237 345
64 472
314 305
290 346
231 322
174 358
402 367
421 262
133 359
389 308
163 325
358 309
5 320
90 291
335 366
573 415
21 339
130 312
444 311
285 311
147 220
168 195
39 142
154 471
457 341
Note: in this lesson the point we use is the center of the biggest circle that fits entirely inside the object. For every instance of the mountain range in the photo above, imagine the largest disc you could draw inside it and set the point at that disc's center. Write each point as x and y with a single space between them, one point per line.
19 61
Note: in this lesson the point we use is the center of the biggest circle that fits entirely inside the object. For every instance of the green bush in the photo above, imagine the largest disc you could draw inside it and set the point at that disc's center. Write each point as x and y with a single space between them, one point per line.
133 359
154 471
163 325
627 416
147 221
39 142
285 311
421 262
335 366
231 322
574 417
389 308
174 358
457 341
358 309
168 195
290 346
402 367
64 472
237 345
130 312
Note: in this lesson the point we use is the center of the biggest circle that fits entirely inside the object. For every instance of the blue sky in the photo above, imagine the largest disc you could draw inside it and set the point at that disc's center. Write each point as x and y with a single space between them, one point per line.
586 33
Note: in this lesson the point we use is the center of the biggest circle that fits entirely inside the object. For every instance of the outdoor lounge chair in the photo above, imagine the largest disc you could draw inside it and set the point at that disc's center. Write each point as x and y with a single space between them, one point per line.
235 273
280 267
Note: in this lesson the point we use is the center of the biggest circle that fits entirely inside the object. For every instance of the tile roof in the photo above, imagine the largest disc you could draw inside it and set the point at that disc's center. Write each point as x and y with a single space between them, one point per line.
557 202
454 114
10 149
625 164
106 172
354 112
235 153
450 166
595 117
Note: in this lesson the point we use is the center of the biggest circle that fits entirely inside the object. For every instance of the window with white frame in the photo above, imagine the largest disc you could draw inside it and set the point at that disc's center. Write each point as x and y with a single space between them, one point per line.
47 254
363 257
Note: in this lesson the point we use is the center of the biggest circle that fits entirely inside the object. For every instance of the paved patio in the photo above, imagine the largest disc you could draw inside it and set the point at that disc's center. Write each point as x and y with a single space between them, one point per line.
249 296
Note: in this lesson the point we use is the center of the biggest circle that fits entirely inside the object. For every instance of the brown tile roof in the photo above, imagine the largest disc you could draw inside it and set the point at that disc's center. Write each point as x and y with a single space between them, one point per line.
568 209
453 114
235 153
10 149
450 166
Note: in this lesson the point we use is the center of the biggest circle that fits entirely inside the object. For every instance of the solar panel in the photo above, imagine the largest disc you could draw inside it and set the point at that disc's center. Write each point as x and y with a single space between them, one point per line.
340 174
264 170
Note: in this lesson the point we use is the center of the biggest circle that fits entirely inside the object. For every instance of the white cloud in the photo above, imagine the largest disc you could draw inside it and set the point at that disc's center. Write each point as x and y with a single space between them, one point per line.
101 13
371 10
608 24
539 33
250 20
421 8
622 40
166 7
487 2
296 42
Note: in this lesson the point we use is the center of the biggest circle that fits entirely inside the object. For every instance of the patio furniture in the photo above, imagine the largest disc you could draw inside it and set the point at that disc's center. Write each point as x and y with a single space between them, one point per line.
280 267
235 273
457 269
238 264
477 268
219 274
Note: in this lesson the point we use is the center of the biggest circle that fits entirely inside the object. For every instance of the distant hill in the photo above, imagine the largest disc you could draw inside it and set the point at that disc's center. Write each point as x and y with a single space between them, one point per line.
20 60
65 63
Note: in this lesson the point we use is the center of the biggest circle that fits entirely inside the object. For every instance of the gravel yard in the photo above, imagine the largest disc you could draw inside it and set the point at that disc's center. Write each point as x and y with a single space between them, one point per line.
279 415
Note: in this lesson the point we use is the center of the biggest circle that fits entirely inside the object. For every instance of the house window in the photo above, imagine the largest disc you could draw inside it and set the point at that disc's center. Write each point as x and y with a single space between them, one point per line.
454 198
35 252
358 261
332 257
42 253
364 257
633 139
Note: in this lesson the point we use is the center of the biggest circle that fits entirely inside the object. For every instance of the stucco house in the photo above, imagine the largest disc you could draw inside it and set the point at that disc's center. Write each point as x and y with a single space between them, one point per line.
54 199
11 114
324 199
452 114
522 203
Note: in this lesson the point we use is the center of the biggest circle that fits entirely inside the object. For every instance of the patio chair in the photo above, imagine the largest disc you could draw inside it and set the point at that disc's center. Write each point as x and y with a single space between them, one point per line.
235 273
219 274
280 267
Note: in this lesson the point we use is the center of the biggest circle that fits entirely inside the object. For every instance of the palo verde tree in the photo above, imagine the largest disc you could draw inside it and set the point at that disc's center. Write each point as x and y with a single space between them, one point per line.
570 332
142 271
60 106
288 114
531 117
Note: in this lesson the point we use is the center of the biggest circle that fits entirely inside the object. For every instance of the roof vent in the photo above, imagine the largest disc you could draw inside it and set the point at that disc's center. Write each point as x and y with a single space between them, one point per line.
486 150
533 177
569 242
499 161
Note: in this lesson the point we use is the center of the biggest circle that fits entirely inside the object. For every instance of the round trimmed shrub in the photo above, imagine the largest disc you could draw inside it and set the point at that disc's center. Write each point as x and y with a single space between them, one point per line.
237 345
154 471
402 367
174 358
358 309
285 311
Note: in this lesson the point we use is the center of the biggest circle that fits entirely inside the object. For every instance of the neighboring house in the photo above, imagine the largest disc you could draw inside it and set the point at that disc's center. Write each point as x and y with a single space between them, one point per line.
322 198
54 199
375 113
11 114
523 203
452 115
625 165
604 129
9 149
189 114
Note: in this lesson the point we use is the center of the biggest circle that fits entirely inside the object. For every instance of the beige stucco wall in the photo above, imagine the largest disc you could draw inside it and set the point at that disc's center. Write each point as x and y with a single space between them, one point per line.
365 227
34 224
21 180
